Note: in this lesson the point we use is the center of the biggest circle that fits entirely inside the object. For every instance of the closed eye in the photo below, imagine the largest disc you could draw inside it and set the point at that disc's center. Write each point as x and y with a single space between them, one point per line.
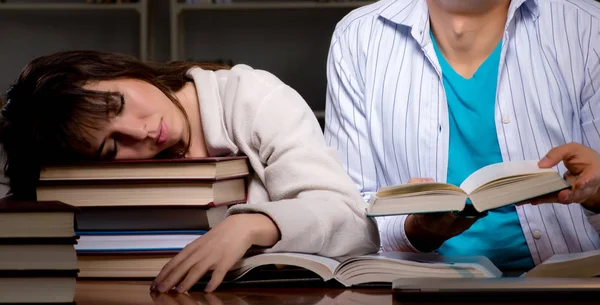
113 152
122 105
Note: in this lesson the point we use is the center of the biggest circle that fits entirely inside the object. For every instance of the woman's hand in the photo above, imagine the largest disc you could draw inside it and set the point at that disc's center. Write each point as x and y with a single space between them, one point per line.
428 231
216 251
583 165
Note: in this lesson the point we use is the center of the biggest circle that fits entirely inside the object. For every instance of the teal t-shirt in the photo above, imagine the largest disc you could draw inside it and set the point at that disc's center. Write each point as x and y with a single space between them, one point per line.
474 144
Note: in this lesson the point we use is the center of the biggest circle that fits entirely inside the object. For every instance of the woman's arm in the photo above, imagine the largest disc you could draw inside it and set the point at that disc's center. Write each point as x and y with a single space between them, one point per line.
313 202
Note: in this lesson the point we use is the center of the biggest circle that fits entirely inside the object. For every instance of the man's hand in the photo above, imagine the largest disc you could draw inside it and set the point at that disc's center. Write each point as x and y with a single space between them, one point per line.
428 231
216 251
583 174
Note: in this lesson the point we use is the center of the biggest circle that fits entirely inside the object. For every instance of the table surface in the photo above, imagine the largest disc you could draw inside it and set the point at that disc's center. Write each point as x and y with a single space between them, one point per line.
137 293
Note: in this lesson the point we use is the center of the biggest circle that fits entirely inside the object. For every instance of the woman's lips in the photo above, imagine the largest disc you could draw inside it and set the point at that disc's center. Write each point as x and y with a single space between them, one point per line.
163 133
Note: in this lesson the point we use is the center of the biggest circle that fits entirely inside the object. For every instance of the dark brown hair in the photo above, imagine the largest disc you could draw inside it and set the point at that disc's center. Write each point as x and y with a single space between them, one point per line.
47 110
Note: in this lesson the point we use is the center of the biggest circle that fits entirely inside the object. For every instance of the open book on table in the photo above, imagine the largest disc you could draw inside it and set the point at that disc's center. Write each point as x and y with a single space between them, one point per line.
377 268
490 187
578 265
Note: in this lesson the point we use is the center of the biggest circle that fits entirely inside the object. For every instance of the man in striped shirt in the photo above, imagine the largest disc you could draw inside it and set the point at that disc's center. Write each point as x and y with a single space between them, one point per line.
436 89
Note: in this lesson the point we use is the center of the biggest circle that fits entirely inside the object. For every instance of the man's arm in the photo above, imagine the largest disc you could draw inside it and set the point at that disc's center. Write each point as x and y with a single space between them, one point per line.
583 161
347 129
590 109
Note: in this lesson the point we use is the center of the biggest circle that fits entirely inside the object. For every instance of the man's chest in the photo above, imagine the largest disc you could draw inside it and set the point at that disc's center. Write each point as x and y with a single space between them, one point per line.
408 117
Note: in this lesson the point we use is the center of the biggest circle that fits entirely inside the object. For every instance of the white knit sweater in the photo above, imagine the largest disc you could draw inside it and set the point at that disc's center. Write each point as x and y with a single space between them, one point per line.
298 180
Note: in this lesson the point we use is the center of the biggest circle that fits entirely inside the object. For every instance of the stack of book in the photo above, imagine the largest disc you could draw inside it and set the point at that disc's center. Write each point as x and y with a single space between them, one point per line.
135 215
38 262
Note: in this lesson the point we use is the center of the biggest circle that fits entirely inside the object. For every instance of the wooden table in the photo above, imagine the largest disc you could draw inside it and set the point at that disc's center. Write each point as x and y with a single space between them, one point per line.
137 293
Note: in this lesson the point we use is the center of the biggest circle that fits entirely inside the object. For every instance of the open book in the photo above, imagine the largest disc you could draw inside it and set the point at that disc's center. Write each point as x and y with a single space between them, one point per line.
382 267
580 264
490 187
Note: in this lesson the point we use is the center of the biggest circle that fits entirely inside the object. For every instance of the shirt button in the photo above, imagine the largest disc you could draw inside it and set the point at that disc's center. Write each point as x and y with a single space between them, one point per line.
505 119
537 234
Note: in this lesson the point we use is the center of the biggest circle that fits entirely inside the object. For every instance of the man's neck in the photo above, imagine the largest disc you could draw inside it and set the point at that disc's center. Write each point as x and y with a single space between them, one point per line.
467 31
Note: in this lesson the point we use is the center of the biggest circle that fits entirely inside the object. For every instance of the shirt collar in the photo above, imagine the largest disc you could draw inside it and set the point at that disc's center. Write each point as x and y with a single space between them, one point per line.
414 13
408 13
532 5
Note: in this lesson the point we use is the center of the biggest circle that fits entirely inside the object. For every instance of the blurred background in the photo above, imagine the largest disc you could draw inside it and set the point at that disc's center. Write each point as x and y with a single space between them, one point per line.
289 38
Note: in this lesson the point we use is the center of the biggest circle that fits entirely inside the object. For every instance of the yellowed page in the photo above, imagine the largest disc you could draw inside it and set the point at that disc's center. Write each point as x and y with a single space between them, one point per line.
415 188
501 170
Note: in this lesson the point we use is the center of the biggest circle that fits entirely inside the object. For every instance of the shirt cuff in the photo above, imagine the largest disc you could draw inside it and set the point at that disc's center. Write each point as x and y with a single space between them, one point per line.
392 234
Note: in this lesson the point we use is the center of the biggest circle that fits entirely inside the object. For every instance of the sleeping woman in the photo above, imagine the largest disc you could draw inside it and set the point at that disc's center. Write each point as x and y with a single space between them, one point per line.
90 105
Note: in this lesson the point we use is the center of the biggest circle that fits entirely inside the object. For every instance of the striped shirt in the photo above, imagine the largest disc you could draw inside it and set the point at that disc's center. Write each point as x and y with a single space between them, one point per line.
387 116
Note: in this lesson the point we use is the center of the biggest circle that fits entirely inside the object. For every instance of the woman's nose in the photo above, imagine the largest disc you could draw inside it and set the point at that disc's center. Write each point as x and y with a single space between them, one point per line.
133 132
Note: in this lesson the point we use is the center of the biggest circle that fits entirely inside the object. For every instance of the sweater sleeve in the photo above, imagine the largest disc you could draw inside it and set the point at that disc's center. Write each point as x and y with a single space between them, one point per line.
314 203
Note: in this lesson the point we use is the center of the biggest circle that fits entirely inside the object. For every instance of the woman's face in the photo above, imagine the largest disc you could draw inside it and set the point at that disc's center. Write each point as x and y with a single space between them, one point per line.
146 122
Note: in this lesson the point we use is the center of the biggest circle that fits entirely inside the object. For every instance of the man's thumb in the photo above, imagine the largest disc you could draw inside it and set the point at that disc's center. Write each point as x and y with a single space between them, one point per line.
555 155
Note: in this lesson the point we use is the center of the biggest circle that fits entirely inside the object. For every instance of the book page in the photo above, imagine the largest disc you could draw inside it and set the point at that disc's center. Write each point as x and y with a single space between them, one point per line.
583 264
557 258
432 258
425 257
412 188
330 263
388 266
501 170
323 266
